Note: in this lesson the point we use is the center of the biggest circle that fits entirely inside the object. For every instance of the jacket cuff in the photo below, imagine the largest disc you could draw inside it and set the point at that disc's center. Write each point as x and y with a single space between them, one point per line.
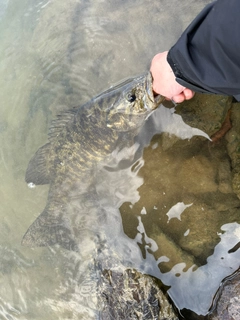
181 79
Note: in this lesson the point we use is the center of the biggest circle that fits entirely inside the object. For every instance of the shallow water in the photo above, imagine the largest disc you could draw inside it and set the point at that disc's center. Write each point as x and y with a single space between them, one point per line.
54 56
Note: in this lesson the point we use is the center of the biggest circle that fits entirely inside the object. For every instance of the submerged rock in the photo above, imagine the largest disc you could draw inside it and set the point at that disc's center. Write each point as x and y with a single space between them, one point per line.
132 295
198 174
205 112
233 147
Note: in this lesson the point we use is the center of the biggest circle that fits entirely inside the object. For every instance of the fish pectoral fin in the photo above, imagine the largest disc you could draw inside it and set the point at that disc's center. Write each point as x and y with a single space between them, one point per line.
38 171
47 231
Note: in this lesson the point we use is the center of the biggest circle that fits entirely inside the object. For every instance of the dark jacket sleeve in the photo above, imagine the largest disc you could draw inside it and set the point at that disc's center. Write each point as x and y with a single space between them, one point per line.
206 58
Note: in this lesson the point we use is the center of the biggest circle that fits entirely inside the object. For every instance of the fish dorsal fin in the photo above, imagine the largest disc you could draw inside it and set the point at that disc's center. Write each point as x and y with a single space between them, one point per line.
37 170
48 229
61 121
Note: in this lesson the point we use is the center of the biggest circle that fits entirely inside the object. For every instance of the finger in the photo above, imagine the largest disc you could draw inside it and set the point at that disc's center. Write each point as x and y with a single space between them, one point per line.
179 98
189 94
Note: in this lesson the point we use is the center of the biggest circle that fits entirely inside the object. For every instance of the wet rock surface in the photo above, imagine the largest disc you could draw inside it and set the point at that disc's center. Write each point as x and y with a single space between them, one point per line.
131 295
228 300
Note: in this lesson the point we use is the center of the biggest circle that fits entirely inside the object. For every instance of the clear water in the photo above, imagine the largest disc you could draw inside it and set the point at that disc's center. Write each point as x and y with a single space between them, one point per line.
55 55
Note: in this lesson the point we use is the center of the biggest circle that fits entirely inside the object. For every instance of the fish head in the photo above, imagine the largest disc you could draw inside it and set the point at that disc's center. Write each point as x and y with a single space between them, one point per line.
133 104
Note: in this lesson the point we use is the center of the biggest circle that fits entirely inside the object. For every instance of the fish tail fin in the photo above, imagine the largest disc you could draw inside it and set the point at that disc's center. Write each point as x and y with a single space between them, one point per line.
49 229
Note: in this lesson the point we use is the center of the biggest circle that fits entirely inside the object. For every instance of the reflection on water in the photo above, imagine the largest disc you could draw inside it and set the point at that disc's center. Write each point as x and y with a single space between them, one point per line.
186 213
179 213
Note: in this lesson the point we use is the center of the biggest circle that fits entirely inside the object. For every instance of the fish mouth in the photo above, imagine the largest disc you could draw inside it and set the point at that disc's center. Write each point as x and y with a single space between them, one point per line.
158 99
148 87
155 99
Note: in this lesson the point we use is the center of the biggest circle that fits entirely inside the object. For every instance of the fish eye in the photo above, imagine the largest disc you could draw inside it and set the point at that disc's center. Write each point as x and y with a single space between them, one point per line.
131 97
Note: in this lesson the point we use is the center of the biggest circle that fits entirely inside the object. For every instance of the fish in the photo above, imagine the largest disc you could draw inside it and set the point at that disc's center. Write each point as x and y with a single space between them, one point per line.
79 139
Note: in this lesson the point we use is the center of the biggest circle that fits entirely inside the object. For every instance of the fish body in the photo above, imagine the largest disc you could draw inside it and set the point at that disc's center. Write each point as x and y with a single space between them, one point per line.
78 141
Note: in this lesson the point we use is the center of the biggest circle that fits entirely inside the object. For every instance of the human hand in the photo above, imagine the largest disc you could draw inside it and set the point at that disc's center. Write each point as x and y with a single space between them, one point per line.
164 82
